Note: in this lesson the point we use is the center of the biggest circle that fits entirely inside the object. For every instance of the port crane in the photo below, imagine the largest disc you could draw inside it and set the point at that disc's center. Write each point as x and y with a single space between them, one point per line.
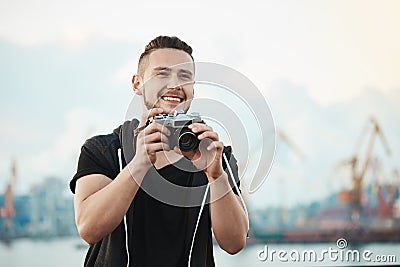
359 168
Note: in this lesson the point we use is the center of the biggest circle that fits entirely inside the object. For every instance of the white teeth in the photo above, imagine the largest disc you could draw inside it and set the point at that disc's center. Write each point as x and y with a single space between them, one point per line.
170 98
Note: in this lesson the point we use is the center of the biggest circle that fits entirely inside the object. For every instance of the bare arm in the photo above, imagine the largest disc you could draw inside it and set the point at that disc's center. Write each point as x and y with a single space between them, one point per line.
228 217
101 203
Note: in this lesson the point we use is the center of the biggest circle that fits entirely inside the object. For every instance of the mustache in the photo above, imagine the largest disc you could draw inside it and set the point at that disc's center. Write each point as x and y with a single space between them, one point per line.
171 92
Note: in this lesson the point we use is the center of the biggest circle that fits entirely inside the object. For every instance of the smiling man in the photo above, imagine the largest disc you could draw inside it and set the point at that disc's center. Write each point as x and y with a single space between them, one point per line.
165 78
123 223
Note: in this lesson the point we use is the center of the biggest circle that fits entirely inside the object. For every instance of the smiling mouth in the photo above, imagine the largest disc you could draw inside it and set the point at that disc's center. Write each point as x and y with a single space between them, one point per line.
172 99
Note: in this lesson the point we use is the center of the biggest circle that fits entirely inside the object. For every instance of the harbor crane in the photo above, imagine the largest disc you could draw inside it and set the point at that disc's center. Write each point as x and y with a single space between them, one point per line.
359 168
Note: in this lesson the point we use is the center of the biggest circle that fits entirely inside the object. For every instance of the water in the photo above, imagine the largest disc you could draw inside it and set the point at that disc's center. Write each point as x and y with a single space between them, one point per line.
43 253
66 252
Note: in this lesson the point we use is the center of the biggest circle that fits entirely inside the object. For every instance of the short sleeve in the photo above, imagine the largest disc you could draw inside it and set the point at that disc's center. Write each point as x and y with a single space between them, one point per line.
94 158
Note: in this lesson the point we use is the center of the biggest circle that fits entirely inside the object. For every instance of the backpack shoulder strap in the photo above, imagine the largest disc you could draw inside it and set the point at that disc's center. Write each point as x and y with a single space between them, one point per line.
127 140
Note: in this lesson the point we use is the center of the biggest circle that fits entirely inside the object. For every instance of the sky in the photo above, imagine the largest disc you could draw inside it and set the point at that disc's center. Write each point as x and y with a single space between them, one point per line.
325 67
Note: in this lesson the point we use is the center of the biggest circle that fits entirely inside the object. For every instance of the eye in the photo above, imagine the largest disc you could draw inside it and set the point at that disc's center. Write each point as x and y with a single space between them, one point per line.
163 73
186 76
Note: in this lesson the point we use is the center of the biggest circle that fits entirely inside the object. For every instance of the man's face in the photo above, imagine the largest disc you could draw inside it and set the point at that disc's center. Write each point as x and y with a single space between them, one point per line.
168 80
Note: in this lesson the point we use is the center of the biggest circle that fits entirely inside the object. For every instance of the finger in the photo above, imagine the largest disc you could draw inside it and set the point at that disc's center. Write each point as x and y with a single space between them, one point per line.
156 137
177 150
156 127
200 127
156 147
153 112
215 145
211 135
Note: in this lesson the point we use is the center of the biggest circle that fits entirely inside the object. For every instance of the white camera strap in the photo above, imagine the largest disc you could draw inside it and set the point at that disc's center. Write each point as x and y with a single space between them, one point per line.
125 220
204 201
237 189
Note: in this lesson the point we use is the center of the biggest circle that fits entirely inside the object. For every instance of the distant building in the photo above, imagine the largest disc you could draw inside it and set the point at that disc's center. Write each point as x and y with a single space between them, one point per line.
52 211
47 211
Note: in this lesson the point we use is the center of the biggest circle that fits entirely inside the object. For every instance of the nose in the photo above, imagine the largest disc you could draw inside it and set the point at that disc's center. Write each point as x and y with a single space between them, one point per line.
174 82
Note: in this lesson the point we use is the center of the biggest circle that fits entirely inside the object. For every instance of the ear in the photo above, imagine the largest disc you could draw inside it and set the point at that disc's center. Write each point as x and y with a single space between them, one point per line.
136 84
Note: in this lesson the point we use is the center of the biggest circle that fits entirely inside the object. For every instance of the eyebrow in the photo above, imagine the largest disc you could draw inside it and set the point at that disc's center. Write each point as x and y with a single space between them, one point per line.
169 69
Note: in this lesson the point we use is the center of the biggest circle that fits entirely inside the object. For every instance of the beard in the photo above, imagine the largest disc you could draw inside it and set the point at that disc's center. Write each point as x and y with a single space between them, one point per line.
184 105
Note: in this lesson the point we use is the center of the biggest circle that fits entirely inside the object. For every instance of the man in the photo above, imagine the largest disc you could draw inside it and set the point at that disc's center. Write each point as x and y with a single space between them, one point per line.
155 233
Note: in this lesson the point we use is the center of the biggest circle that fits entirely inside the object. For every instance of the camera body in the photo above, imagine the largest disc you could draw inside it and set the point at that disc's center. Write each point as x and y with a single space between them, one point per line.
177 123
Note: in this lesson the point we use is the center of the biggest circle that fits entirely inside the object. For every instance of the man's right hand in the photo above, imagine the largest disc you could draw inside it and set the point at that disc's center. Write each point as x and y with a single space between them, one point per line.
152 139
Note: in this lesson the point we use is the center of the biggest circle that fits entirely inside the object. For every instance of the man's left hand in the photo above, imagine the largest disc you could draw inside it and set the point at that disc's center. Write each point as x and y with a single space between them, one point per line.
208 156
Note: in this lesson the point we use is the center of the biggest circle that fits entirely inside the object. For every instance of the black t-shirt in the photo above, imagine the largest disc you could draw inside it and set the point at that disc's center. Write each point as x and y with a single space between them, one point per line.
159 234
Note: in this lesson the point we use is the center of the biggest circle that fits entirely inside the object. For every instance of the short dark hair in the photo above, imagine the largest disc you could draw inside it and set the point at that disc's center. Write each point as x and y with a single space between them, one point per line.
162 42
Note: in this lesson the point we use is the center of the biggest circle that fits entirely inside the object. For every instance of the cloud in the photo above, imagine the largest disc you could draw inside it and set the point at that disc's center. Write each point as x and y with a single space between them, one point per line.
44 90
123 75
59 156
329 47
16 136
327 136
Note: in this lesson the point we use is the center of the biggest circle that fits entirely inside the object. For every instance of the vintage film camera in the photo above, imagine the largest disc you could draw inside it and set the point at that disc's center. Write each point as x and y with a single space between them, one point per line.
177 123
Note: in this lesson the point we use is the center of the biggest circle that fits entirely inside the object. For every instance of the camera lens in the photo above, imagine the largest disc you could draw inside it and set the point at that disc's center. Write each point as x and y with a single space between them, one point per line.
188 140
